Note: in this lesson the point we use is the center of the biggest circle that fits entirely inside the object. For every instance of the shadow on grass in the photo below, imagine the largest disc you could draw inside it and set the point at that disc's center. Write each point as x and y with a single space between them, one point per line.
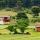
27 33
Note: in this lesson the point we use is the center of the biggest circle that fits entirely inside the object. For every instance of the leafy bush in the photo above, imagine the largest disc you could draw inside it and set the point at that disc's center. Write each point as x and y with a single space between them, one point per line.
13 17
8 9
22 21
28 11
35 10
21 15
22 24
35 20
12 28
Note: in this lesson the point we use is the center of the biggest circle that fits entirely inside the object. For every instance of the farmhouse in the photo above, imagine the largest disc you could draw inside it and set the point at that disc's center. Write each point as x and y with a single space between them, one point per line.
37 25
5 16
4 19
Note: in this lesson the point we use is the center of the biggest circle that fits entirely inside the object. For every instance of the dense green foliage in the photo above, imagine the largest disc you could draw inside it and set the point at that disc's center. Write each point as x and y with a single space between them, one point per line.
15 3
22 24
36 20
21 15
35 10
12 28
22 21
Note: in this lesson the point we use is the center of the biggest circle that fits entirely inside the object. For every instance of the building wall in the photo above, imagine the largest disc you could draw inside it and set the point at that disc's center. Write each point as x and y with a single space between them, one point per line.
1 21
4 19
38 29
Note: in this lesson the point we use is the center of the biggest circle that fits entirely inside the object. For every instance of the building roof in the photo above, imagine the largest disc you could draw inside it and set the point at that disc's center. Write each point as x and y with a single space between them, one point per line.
7 13
37 24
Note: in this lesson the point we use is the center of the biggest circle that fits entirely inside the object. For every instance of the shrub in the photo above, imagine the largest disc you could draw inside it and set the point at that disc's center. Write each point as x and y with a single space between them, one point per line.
28 11
22 24
22 21
21 15
15 29
13 17
35 20
35 10
12 28
8 9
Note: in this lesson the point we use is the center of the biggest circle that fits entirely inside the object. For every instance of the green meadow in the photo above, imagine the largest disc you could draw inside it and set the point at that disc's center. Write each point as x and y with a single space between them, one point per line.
33 36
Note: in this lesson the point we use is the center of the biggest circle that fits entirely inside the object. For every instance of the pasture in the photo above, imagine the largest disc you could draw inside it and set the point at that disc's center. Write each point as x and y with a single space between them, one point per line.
34 36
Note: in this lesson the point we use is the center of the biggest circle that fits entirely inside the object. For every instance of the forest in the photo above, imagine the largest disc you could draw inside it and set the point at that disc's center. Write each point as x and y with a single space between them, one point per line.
22 3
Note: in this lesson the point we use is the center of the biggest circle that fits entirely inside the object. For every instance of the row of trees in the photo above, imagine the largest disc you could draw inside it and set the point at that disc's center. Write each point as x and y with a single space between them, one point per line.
24 3
7 3
35 10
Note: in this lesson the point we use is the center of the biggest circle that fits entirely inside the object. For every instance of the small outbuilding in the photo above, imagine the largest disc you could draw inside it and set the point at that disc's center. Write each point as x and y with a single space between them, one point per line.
4 19
37 26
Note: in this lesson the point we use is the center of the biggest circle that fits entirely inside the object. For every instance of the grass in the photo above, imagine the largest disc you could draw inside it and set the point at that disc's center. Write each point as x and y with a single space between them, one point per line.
5 37
3 26
20 37
34 36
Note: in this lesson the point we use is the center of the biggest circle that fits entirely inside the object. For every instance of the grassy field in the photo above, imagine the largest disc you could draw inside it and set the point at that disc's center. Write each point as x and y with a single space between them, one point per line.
34 36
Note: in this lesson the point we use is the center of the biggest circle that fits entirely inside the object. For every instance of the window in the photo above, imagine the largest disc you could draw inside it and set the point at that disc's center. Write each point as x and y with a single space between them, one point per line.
6 19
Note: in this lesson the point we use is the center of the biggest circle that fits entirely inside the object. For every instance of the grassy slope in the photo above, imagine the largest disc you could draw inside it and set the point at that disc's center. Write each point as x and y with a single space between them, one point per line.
34 36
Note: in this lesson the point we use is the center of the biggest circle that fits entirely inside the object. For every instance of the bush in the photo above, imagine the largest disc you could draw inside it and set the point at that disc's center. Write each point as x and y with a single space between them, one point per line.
12 28
28 11
35 10
21 15
8 9
22 21
35 20
13 17
22 24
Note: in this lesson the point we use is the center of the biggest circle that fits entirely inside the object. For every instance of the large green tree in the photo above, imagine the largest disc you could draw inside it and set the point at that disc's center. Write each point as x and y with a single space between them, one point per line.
21 15
22 24
22 21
